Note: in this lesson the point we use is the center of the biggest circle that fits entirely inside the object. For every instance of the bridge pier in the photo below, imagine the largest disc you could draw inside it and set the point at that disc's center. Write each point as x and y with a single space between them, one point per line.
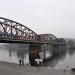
37 51
34 53
47 49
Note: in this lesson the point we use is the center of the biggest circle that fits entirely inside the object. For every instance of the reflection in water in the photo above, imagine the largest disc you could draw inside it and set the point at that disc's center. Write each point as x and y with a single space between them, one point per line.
57 54
15 52
71 51
61 58
54 60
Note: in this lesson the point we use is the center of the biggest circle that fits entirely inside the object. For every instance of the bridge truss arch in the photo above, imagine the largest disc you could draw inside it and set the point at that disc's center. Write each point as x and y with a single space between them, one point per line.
47 37
10 29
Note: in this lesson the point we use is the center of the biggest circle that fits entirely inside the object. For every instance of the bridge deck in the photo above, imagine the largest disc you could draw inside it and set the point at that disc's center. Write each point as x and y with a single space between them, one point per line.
26 42
11 30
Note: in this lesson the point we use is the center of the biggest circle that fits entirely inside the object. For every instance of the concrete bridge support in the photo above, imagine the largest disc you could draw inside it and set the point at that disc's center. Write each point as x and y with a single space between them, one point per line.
34 53
41 51
47 49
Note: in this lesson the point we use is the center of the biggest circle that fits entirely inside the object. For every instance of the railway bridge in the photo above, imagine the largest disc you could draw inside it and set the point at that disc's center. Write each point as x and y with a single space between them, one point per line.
14 32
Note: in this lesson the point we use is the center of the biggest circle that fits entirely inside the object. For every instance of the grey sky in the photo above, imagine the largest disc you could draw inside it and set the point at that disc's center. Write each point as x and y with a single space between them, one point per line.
43 16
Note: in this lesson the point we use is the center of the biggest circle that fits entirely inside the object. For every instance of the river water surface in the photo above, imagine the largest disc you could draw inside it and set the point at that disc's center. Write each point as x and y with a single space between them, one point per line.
12 52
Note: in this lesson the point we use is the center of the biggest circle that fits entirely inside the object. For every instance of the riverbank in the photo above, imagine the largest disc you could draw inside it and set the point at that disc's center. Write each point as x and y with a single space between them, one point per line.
15 69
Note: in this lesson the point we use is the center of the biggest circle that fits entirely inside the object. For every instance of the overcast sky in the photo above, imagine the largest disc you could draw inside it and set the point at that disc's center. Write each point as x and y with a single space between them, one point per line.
42 16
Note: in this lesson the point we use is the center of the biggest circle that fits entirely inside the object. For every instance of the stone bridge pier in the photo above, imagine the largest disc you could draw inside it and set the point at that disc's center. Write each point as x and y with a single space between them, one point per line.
41 51
34 53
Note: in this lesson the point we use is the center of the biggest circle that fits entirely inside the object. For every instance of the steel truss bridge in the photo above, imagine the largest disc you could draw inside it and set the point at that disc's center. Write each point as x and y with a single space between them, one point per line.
11 31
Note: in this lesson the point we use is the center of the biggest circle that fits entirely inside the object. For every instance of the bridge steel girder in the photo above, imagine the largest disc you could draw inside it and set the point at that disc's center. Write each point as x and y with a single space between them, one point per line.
47 38
16 31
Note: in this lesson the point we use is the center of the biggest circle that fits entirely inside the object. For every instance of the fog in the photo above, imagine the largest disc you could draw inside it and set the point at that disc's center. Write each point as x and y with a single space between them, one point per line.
42 16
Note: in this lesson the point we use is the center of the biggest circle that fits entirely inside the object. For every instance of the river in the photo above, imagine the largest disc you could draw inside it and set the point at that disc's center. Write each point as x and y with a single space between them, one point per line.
12 52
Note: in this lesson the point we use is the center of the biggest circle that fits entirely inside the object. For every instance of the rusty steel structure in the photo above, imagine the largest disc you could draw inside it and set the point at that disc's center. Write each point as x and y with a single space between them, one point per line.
11 30
47 37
